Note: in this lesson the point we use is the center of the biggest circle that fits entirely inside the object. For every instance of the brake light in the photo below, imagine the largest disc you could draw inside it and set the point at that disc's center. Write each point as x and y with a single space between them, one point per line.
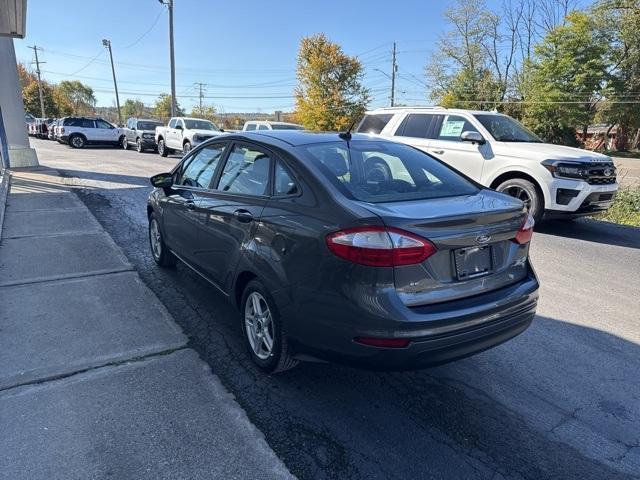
380 246
526 230
383 342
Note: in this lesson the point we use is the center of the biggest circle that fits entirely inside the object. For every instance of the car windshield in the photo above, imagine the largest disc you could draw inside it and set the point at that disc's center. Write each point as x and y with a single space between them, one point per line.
284 126
147 125
200 125
377 172
506 129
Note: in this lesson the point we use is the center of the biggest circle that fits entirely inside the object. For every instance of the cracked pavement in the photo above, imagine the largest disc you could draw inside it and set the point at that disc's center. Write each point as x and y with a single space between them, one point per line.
560 401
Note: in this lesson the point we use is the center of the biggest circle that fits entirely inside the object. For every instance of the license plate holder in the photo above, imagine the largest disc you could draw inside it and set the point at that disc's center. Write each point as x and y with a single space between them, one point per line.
472 262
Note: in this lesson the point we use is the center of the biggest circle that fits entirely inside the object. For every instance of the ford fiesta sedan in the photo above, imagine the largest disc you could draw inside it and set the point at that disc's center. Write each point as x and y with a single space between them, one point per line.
347 248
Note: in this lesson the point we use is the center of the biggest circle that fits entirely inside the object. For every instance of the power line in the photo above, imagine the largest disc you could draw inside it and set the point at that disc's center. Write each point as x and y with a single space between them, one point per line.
145 33
89 63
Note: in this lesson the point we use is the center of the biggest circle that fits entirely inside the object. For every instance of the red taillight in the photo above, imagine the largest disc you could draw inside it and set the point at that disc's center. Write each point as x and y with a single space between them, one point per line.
526 230
383 342
380 246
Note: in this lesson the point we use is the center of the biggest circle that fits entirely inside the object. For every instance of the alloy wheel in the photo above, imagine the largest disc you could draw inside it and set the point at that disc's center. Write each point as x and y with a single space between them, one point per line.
258 325
520 193
155 238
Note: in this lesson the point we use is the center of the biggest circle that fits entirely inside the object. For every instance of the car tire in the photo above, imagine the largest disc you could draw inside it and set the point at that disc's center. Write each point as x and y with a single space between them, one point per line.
125 143
527 192
139 148
77 141
163 151
159 251
260 321
186 148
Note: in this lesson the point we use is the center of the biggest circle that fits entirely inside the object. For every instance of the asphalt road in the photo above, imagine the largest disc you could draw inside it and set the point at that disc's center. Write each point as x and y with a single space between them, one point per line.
560 401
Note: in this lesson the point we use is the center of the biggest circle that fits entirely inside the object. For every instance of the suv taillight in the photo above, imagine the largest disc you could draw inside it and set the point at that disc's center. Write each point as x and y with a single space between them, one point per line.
61 129
380 246
526 230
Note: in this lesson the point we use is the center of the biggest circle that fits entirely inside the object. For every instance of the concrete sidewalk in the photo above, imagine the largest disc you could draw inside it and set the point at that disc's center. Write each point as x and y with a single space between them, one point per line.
96 380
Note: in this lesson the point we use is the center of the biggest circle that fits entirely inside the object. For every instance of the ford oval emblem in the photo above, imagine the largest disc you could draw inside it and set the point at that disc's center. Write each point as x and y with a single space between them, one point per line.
483 238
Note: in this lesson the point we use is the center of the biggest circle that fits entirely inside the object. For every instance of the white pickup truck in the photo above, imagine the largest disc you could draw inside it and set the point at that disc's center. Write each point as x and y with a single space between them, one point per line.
183 133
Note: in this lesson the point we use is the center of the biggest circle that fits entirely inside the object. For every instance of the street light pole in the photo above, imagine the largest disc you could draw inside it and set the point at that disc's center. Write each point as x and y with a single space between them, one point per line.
169 4
107 45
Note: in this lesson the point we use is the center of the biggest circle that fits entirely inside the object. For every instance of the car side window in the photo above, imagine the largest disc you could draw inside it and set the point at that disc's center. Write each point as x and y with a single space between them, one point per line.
453 126
251 126
263 127
172 123
246 171
283 183
417 125
86 123
103 124
179 123
201 167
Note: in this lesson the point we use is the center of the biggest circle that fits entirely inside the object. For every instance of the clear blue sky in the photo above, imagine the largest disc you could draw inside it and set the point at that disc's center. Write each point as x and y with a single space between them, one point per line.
244 48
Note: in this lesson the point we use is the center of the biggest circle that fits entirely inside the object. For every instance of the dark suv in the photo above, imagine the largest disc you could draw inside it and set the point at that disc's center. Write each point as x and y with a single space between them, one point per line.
141 133
350 249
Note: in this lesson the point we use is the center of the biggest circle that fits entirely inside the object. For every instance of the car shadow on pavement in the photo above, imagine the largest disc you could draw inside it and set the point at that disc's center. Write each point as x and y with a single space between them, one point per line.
593 231
106 177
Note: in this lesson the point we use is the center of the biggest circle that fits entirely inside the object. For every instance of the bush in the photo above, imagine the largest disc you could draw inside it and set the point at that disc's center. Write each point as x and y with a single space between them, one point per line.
626 207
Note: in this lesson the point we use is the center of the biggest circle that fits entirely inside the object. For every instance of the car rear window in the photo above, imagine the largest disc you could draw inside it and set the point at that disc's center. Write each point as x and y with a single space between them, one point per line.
147 125
374 123
386 172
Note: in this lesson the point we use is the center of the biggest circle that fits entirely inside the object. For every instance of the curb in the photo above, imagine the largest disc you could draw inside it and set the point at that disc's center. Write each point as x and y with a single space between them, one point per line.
4 191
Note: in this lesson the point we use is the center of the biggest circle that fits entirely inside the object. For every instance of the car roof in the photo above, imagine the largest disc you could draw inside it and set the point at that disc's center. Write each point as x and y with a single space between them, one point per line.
426 109
301 137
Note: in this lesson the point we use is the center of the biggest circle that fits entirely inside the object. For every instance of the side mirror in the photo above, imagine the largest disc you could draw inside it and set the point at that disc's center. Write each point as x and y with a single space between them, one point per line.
162 180
473 137
178 127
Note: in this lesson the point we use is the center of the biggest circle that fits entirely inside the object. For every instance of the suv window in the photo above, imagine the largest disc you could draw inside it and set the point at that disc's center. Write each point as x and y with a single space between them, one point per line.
71 122
246 171
200 168
263 127
374 123
86 123
103 124
418 125
251 126
453 126
172 123
283 181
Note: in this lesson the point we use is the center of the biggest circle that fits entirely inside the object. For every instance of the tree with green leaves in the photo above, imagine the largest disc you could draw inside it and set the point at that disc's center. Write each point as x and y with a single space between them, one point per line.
330 95
207 112
78 95
162 107
31 100
566 78
132 108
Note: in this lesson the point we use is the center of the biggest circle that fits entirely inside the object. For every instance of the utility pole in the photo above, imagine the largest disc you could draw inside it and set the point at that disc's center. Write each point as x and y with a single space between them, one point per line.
394 68
201 94
37 62
169 4
107 45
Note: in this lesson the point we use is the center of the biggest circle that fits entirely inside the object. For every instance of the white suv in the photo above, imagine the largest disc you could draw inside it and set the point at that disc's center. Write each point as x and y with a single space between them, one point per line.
498 152
268 125
81 131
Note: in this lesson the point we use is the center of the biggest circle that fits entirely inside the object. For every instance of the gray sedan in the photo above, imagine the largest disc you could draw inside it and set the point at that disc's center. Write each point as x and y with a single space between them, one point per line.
347 248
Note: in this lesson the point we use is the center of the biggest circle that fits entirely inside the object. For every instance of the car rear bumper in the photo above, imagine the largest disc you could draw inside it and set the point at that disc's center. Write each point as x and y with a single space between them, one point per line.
438 333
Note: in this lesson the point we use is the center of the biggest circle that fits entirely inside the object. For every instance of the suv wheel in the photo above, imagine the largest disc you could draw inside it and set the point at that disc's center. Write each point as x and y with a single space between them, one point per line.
77 141
139 148
161 254
125 143
162 148
186 148
266 342
527 192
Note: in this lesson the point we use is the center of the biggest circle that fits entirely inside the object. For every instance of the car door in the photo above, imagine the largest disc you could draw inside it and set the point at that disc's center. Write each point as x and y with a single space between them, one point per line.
129 131
87 127
231 210
174 135
416 129
180 219
105 132
447 146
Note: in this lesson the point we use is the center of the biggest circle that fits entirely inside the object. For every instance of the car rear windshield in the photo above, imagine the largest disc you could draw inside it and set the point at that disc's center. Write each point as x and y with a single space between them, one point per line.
506 129
377 172
280 126
374 123
199 125
146 125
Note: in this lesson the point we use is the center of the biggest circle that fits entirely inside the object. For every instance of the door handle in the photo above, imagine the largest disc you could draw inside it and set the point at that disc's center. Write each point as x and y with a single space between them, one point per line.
437 152
190 205
243 216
